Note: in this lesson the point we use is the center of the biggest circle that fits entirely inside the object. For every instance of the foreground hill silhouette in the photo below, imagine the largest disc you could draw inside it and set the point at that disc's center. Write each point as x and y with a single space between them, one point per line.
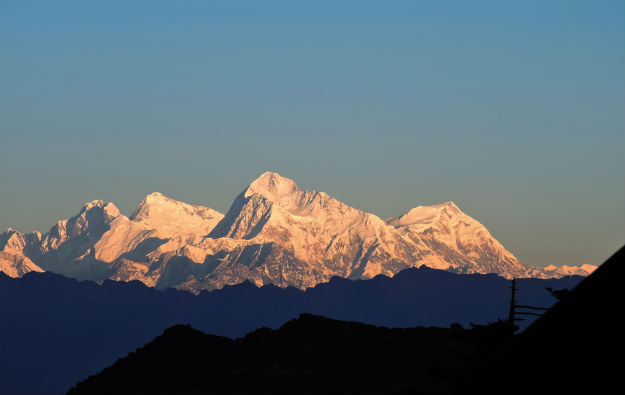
576 345
59 330
310 354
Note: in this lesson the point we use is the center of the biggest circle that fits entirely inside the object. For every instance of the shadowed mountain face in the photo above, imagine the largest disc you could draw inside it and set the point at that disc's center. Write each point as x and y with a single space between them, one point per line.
61 330
274 233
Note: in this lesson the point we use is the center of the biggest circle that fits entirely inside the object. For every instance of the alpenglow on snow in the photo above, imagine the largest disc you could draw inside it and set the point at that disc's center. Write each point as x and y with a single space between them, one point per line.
274 233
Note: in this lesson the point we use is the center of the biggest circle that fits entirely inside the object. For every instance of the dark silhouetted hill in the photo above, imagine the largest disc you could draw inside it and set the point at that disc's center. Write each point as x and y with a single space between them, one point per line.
60 330
310 354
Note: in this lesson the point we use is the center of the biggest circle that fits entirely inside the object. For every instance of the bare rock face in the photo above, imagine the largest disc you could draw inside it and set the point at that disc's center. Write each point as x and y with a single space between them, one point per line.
274 233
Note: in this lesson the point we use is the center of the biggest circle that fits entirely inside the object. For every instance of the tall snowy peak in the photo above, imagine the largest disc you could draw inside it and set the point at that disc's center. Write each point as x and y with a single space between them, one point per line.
12 240
273 187
273 233
285 193
93 219
171 217
460 241
99 242
421 218
447 224
13 248
274 201
82 245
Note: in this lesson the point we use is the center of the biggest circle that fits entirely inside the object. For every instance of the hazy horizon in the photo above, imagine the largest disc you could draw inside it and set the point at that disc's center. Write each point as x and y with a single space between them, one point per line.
512 111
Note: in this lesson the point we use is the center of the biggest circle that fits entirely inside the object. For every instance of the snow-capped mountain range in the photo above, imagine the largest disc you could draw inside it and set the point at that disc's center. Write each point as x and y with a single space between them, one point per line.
274 232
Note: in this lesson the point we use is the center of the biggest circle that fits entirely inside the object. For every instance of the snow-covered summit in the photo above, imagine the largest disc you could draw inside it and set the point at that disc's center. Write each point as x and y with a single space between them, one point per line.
565 270
171 217
107 208
13 260
423 216
274 232
273 205
272 186
285 193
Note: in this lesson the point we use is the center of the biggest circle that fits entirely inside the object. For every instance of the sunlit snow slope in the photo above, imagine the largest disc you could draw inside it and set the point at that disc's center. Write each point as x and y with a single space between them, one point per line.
274 232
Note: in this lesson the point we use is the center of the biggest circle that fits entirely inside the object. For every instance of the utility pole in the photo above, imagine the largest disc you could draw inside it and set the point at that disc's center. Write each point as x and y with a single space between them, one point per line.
511 315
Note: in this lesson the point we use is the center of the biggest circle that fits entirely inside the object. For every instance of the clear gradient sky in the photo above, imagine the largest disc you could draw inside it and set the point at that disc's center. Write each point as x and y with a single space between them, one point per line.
512 109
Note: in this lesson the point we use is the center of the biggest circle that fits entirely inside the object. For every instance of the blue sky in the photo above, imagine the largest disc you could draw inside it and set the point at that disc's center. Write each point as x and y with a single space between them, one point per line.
513 110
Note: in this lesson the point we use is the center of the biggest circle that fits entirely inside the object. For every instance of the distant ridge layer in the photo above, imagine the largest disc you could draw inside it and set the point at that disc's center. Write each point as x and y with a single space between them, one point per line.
75 328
